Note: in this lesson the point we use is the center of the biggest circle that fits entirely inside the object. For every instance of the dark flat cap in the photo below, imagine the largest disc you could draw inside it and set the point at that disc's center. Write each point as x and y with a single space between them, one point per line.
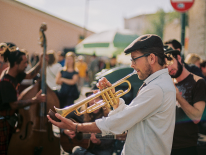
170 50
144 42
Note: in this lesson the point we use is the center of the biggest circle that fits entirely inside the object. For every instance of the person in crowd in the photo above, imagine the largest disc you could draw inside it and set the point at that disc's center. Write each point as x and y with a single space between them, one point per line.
112 63
10 80
203 67
52 69
201 144
193 58
3 65
176 45
93 67
82 69
99 146
68 78
61 58
190 96
150 117
102 61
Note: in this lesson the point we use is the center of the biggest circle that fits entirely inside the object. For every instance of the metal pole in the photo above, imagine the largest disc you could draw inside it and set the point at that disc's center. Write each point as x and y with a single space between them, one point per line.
183 33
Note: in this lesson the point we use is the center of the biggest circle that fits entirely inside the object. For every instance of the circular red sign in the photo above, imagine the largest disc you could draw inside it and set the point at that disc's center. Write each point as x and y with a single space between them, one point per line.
182 5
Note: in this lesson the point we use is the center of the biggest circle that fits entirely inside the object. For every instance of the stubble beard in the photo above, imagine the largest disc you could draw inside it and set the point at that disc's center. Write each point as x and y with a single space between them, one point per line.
146 74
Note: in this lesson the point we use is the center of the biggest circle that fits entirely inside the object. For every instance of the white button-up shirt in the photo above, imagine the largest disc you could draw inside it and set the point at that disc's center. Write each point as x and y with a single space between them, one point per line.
149 118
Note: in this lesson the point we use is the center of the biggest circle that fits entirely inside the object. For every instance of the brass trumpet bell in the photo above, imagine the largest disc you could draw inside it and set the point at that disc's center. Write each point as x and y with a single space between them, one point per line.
108 99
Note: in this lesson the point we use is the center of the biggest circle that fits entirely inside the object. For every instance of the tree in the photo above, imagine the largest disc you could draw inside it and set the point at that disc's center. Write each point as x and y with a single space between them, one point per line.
157 23
160 19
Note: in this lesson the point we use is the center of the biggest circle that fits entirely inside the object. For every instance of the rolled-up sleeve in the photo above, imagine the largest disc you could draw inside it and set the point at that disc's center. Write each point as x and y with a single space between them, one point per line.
126 116
121 106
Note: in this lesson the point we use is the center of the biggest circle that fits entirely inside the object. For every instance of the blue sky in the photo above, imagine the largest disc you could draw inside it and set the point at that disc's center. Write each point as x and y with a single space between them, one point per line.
102 14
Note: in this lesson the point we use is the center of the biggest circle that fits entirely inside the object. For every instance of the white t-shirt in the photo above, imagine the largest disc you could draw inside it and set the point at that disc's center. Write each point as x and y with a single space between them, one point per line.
51 72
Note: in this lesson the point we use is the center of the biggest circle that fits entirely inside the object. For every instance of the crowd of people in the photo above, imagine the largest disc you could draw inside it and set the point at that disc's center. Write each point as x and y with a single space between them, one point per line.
166 117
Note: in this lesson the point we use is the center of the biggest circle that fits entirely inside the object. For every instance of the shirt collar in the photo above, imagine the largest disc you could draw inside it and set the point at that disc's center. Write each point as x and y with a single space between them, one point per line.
155 75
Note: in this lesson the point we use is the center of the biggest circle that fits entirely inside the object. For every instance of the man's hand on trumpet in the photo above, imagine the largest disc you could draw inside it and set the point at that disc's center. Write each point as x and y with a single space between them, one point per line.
104 83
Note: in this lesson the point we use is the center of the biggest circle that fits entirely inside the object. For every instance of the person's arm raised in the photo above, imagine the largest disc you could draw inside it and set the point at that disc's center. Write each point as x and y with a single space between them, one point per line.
23 103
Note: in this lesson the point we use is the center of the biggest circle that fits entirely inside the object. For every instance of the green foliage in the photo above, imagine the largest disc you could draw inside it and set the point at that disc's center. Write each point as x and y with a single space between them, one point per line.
172 15
157 23
160 19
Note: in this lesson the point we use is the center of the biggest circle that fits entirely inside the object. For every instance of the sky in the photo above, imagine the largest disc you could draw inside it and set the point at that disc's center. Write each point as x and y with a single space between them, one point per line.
100 15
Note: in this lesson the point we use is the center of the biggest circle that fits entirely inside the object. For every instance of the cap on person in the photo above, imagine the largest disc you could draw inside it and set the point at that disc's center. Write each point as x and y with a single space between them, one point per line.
176 44
169 50
144 42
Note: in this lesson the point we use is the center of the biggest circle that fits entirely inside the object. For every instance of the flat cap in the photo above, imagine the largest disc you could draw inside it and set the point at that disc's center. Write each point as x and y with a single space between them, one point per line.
144 42
170 50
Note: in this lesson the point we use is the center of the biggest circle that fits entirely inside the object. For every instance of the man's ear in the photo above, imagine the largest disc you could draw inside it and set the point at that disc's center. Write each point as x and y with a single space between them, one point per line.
15 64
152 58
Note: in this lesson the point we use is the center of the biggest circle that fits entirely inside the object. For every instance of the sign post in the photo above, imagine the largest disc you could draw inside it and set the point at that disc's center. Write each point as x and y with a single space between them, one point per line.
182 6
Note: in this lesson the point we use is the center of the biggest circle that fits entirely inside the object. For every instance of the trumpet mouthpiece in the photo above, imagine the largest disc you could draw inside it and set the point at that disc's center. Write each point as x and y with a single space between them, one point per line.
134 72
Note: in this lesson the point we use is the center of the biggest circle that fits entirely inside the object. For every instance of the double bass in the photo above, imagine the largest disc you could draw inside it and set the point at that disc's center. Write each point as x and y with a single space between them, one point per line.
35 135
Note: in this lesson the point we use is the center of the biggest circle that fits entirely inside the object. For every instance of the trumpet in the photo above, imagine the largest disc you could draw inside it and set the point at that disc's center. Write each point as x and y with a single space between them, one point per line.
108 99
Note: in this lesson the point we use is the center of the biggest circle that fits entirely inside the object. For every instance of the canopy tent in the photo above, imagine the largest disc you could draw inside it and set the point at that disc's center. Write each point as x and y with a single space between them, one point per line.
107 43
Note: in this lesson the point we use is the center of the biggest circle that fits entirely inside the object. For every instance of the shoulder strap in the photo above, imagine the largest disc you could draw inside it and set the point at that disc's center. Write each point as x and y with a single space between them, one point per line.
8 80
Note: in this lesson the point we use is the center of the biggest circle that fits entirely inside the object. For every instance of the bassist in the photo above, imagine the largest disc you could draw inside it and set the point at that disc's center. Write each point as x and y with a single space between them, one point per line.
10 80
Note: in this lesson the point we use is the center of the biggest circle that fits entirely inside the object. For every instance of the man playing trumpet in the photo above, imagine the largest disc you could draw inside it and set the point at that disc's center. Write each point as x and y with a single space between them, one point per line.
150 117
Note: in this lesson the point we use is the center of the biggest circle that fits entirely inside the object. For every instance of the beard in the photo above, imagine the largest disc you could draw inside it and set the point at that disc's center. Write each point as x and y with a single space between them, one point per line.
179 70
146 73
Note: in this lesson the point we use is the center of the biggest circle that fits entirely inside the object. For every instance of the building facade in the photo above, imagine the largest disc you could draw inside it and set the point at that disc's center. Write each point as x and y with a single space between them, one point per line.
20 24
138 24
197 28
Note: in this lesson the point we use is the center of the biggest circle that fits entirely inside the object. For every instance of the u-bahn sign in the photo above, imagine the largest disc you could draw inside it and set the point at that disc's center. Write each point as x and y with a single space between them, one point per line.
182 5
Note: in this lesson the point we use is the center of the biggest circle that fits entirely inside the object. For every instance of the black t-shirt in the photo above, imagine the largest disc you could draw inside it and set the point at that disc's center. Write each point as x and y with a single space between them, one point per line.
194 69
8 90
193 89
65 88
